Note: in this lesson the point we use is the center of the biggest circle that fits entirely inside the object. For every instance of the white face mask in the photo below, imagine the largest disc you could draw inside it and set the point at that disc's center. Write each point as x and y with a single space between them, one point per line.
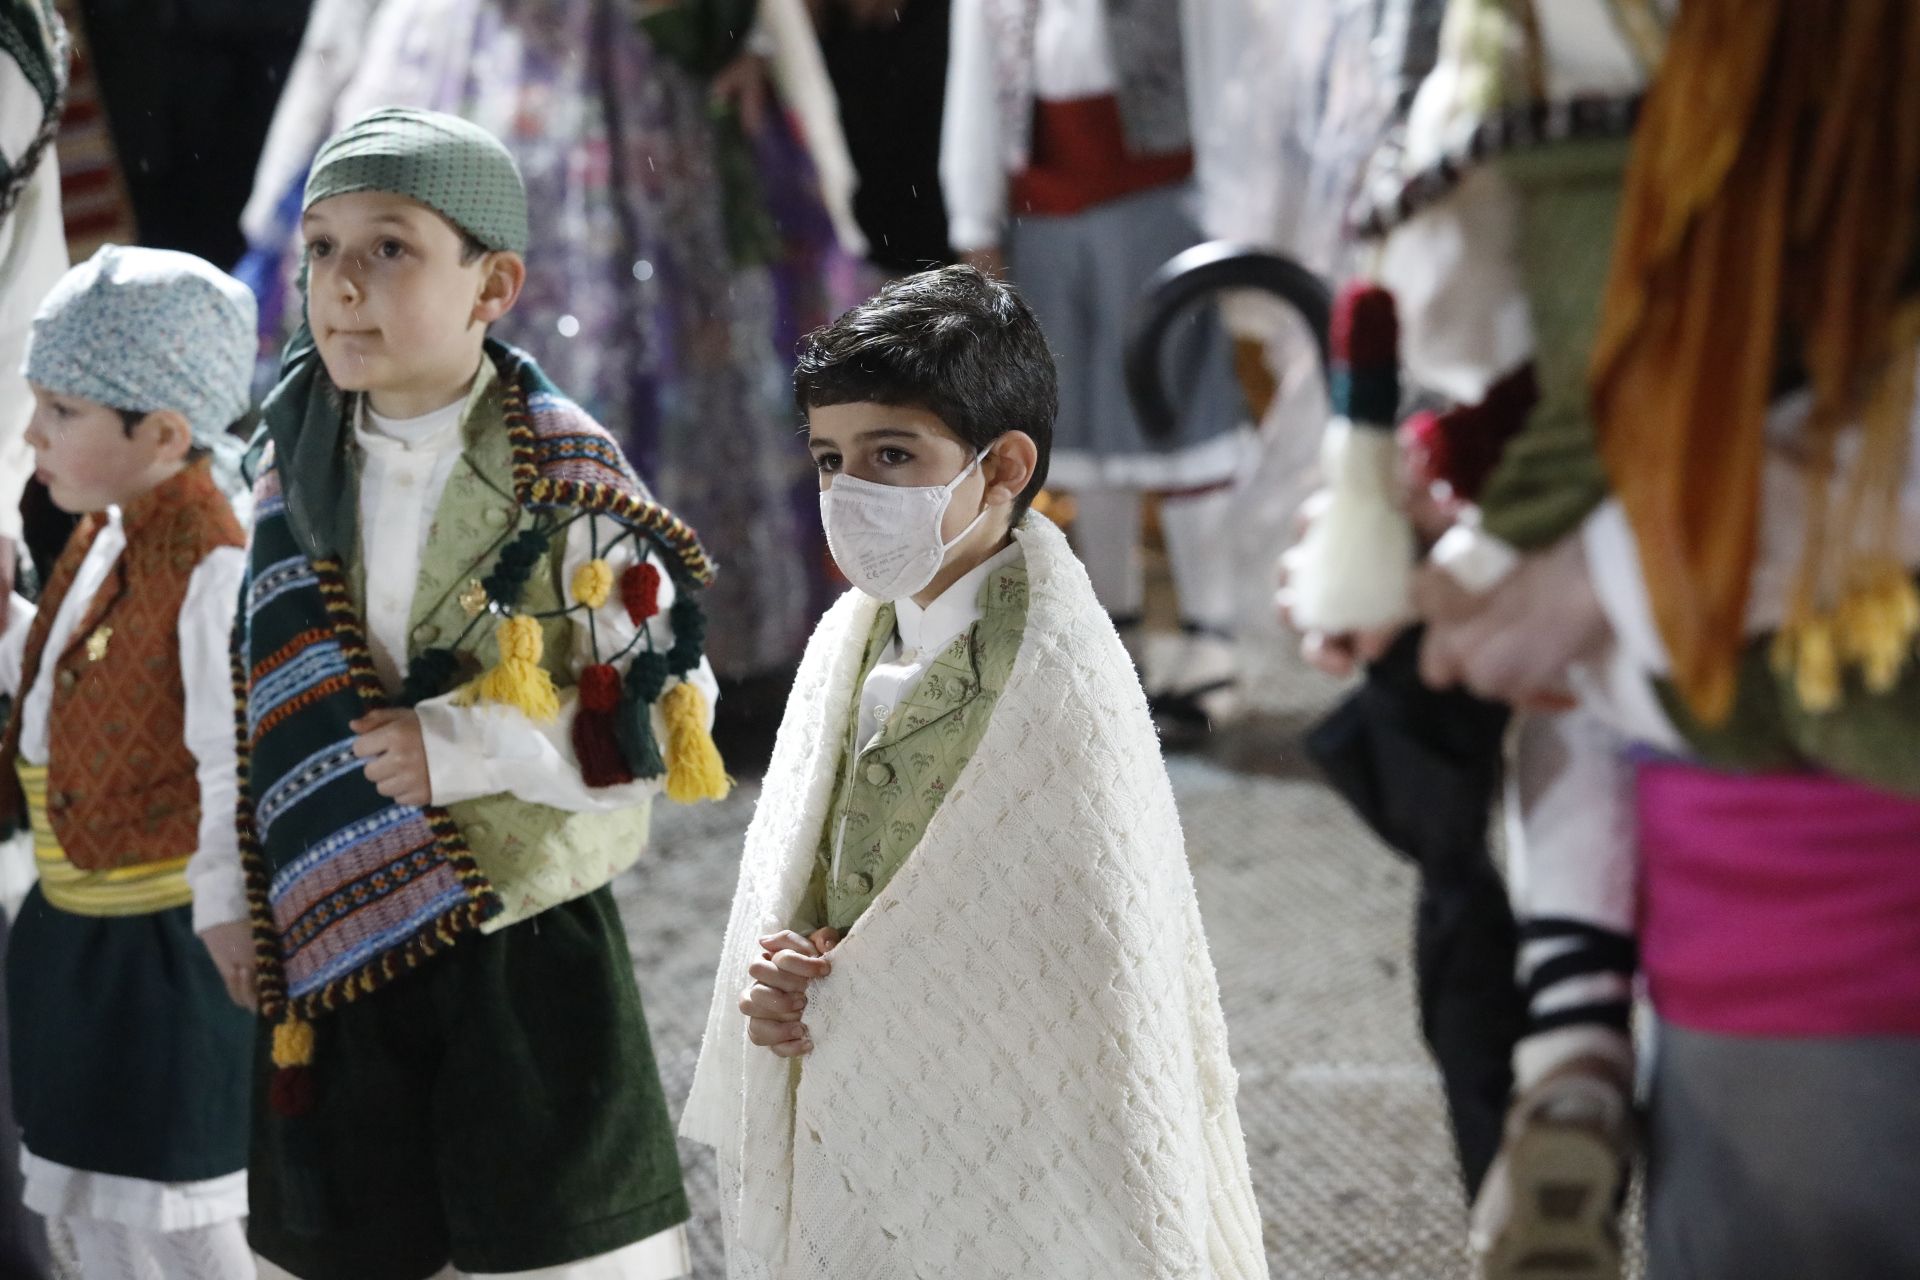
886 538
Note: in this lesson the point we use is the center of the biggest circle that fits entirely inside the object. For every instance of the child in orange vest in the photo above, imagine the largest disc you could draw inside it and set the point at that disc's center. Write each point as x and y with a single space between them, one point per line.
129 963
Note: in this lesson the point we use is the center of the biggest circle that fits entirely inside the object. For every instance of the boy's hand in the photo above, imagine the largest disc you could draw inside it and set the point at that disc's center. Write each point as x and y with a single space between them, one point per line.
231 946
391 743
777 998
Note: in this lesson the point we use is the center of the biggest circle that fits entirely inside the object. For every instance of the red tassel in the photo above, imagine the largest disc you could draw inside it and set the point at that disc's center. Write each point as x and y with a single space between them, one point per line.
597 746
599 688
1365 332
291 1093
640 592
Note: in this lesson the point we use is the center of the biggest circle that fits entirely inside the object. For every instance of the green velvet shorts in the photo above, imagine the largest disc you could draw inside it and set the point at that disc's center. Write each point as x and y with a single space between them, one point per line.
499 1110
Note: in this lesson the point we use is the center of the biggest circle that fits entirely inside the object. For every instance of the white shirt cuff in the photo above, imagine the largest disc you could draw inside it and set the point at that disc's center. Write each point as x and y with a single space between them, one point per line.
1613 560
1474 558
219 895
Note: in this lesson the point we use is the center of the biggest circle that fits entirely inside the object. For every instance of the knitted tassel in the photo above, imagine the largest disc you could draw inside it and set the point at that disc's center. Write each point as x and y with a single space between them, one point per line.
518 680
640 592
291 1091
694 768
1354 569
634 722
596 742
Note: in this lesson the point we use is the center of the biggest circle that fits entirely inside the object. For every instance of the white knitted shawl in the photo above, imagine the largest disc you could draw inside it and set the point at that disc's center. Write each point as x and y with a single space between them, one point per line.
1020 1064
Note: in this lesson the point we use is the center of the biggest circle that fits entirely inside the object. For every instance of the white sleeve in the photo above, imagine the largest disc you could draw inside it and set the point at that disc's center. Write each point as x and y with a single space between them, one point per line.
13 644
329 55
206 634
973 172
787 39
33 254
489 749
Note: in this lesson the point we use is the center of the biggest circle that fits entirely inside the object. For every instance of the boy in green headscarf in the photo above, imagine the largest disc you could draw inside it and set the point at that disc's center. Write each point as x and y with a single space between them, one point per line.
469 656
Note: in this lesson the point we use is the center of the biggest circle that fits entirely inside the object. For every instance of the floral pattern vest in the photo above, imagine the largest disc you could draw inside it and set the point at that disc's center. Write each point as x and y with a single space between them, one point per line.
885 796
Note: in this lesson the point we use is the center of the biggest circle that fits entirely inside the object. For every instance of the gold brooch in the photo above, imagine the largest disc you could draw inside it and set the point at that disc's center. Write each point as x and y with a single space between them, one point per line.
97 643
473 600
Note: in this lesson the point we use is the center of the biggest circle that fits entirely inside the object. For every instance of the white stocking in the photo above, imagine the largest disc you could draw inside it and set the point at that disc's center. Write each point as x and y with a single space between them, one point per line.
109 1251
1106 533
1201 553
217 1252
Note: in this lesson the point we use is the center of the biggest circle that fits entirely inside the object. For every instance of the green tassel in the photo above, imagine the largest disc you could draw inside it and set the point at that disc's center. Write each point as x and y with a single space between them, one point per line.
633 720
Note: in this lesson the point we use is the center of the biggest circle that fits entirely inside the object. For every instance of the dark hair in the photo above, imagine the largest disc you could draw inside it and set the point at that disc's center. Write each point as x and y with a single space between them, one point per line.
959 344
131 418
471 250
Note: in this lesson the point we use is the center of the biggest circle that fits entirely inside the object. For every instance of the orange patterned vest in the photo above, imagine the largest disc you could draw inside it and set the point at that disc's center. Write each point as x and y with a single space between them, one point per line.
121 788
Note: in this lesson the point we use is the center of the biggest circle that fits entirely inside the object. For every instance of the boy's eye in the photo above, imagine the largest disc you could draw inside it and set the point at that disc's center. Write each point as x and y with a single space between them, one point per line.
827 463
389 249
319 248
895 457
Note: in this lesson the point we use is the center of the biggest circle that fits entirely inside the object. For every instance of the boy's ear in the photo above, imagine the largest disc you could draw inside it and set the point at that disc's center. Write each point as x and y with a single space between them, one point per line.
1009 466
169 432
506 274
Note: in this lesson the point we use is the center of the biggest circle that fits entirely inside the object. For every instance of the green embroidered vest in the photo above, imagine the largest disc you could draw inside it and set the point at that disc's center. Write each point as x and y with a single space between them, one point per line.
534 855
885 796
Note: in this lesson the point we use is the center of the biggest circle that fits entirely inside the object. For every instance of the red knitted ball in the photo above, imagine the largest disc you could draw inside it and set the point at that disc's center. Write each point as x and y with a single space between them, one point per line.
640 592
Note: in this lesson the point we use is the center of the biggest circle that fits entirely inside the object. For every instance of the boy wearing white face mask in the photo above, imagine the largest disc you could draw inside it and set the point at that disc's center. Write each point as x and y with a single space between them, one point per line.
967 781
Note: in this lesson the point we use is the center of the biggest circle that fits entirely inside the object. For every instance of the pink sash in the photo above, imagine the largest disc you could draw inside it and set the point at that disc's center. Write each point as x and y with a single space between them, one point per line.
1779 904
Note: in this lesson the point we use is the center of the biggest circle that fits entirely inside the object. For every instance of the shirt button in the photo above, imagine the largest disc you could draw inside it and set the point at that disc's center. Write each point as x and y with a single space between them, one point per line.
879 774
404 480
862 882
425 633
881 711
67 679
479 830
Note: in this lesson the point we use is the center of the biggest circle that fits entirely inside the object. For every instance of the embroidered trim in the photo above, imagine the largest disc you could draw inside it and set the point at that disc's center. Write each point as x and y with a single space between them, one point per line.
1506 132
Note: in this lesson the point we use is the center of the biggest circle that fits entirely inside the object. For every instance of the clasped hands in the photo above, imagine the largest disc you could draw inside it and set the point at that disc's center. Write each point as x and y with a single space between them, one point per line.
777 997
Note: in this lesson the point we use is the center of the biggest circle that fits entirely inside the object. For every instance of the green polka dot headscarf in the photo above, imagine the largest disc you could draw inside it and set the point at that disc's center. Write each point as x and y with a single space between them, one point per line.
455 168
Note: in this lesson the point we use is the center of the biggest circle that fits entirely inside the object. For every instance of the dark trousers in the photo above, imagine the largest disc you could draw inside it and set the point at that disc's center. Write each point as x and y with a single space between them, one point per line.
23 1238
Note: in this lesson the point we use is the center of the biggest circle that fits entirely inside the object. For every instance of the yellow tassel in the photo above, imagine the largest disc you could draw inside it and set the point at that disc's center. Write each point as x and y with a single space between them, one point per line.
694 768
1879 622
293 1043
593 583
518 680
1816 675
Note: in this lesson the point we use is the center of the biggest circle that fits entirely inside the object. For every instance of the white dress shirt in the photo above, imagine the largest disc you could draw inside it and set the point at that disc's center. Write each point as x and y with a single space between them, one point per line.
919 635
205 626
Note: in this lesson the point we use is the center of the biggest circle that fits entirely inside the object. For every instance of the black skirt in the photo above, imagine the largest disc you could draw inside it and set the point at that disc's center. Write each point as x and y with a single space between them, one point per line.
128 1056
